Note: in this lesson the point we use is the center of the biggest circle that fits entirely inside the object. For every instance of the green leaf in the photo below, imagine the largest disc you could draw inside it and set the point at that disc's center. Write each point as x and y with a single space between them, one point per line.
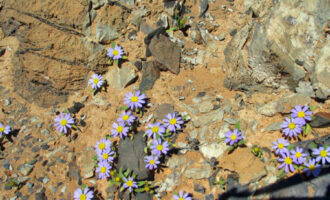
116 62
122 188
230 148
140 183
91 91
241 142
74 126
123 108
139 190
300 136
124 58
113 45
146 149
307 129
107 136
238 126
127 172
83 186
109 62
311 108
290 147
94 157
313 145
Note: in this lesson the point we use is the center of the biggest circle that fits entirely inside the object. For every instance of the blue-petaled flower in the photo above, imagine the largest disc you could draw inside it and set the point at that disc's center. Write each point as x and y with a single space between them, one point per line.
103 169
322 154
120 129
83 195
102 145
287 162
155 129
302 114
126 117
158 147
233 137
280 146
4 129
152 162
173 122
130 183
135 100
292 127
115 53
63 122
312 168
106 155
182 196
96 81
298 156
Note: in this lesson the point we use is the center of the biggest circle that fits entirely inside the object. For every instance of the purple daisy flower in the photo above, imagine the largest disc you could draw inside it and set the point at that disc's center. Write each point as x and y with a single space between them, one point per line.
173 122
302 114
233 137
182 196
120 129
130 183
103 169
322 154
155 129
159 147
96 81
63 122
116 53
106 155
298 156
135 100
312 168
152 162
102 145
280 146
83 195
126 117
4 129
292 127
286 162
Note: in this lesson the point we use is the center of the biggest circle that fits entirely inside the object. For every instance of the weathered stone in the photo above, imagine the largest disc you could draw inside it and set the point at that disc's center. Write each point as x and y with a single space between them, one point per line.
119 78
273 127
129 3
209 118
131 155
25 169
87 163
146 28
203 172
137 17
205 107
150 73
105 34
163 109
305 88
259 7
322 120
203 6
176 162
213 150
166 52
170 182
293 187
74 173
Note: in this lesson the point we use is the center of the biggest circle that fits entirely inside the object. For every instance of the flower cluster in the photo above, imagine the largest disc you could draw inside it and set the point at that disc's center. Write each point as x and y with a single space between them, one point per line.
297 122
4 130
63 122
105 157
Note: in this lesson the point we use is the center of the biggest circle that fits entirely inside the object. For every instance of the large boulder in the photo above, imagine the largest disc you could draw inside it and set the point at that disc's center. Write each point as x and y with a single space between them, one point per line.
282 47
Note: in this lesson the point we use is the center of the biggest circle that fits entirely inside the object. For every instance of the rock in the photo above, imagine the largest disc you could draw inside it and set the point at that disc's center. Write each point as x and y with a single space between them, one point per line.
163 109
99 100
199 188
213 150
166 52
195 35
143 196
222 37
163 21
322 120
119 78
261 56
129 3
150 73
209 197
321 184
273 127
132 35
74 173
105 34
209 118
170 182
205 107
76 107
320 78
40 196
131 155
173 8
87 163
224 128
98 4
137 17
2 51
252 169
199 173
146 28
25 169
258 8
203 6
293 187
176 162
305 88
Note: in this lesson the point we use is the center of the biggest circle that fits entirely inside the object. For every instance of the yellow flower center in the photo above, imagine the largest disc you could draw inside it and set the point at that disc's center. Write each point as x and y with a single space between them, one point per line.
323 153
280 145
146 188
115 52
129 183
155 129
256 149
233 137
105 156
112 173
117 179
152 162
120 129
134 99
288 160
311 167
102 146
103 169
301 114
125 117
83 197
63 122
292 125
159 147
96 81
181 198
298 154
2 129
173 121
